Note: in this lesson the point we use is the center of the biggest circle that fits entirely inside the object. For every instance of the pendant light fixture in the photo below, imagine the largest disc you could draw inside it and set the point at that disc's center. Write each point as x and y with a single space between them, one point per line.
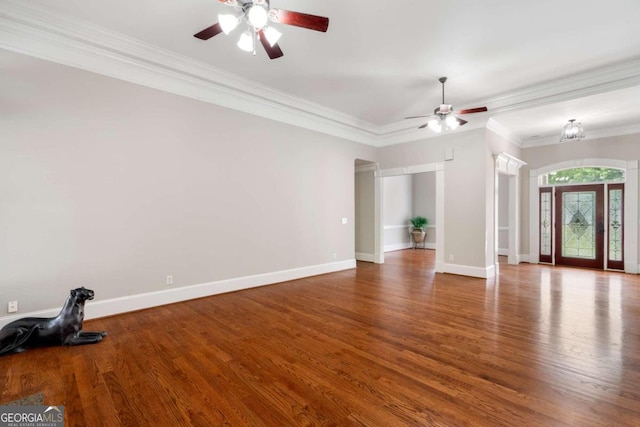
572 131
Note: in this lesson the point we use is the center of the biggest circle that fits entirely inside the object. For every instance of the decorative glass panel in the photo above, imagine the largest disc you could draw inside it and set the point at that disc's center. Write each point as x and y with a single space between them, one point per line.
578 224
584 175
615 225
545 223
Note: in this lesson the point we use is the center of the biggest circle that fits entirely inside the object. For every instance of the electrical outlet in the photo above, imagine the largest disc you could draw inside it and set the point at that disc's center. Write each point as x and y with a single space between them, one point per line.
450 257
169 280
344 221
12 307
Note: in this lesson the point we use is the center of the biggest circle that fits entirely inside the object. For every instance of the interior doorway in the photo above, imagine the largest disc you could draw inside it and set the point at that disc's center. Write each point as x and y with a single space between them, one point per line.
365 230
439 220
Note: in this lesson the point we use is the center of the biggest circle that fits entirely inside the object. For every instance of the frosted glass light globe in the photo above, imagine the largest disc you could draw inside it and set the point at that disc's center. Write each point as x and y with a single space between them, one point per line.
258 16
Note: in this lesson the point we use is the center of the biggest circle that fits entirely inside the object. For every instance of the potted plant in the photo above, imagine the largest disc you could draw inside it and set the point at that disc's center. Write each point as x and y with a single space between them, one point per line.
418 233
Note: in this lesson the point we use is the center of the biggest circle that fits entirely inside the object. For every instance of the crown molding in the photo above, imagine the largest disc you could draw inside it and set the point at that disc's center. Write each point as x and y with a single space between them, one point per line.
501 130
43 33
604 79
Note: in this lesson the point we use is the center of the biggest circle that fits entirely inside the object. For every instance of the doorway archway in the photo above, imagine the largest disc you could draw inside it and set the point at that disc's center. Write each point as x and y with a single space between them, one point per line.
630 205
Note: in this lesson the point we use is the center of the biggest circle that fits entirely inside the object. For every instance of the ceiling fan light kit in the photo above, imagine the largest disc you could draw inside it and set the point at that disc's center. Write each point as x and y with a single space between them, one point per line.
245 42
272 35
228 22
572 131
257 15
443 118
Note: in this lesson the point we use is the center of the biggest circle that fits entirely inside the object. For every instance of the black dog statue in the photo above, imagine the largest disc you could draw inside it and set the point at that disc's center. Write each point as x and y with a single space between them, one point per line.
64 329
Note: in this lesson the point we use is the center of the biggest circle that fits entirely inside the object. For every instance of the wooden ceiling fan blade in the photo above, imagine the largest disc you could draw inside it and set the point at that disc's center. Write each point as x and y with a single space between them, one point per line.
423 126
209 32
472 110
418 117
461 122
303 20
273 51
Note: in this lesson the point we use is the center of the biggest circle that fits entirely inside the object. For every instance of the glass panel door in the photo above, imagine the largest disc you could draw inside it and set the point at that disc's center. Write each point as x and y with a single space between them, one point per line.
546 224
580 226
615 256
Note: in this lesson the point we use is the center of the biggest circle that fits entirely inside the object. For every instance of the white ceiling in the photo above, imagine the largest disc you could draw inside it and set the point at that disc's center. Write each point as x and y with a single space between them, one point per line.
380 60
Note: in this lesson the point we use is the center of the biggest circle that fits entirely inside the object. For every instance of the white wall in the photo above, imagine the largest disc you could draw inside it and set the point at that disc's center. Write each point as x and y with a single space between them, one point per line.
424 203
397 208
114 186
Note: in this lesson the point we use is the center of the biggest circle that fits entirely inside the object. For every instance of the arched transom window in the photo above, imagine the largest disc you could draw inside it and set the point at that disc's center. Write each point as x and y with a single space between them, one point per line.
586 175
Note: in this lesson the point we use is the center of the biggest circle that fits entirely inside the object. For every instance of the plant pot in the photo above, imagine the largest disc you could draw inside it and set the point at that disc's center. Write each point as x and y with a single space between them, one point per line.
418 235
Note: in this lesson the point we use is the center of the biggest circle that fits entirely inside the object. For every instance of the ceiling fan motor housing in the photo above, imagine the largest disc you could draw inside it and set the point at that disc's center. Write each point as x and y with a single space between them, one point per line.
444 109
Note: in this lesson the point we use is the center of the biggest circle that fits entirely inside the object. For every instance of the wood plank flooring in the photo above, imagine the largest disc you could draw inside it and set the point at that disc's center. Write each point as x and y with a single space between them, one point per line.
381 345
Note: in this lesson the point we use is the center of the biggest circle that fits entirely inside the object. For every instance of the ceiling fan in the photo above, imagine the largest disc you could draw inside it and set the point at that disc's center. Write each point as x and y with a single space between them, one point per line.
444 115
258 15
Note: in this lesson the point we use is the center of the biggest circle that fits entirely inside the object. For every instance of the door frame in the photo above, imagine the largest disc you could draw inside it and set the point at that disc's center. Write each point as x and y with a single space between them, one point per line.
559 259
438 168
630 206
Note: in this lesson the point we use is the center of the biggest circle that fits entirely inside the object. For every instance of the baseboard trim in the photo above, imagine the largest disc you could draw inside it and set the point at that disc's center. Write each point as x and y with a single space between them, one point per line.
523 258
397 247
467 270
110 307
503 252
365 257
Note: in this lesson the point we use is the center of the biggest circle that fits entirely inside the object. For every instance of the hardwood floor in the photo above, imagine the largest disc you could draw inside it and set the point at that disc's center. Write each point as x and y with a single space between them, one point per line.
381 345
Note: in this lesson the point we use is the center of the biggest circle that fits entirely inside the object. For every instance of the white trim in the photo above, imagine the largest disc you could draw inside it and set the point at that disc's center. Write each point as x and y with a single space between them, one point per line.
503 251
46 34
534 217
595 81
508 164
365 257
467 270
110 307
397 247
410 170
631 218
371 167
505 133
438 168
523 257
40 31
378 233
440 220
396 227
579 163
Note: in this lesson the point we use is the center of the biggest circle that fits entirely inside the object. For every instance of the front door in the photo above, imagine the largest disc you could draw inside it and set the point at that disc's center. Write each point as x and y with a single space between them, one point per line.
580 226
